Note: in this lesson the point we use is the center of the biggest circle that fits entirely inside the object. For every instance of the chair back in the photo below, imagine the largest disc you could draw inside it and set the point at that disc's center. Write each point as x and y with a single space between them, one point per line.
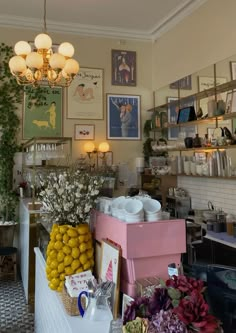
7 235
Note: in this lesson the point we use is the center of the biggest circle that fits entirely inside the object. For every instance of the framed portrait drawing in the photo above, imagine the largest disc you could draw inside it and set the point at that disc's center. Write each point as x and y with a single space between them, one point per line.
123 69
123 117
233 70
42 116
85 95
185 83
84 132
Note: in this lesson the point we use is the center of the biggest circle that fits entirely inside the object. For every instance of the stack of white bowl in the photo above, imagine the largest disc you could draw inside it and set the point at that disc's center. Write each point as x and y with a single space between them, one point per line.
152 210
115 206
133 209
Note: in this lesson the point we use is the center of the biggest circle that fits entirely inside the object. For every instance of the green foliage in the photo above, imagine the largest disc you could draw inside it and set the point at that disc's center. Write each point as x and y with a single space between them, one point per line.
11 94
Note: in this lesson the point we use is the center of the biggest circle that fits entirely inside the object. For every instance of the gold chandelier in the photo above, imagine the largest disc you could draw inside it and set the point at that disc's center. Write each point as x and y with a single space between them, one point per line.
44 64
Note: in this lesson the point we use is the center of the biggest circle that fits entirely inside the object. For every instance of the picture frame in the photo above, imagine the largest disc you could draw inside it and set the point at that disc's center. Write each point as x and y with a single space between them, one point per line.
84 132
228 103
233 70
108 159
43 117
123 71
123 117
210 133
185 83
233 102
85 95
110 270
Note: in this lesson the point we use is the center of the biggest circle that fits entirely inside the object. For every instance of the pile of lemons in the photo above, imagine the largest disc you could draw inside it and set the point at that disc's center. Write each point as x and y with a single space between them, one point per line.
70 251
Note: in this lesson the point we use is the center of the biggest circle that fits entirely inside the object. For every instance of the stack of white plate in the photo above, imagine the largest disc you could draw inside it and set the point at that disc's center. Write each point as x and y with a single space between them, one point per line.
152 210
133 211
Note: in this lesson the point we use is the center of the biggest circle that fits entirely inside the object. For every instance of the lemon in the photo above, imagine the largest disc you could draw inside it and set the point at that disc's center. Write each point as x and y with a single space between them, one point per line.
79 270
65 238
59 289
61 267
81 238
87 266
82 229
53 254
60 256
48 270
63 229
69 270
73 242
83 247
50 245
75 252
62 277
61 284
72 232
48 261
54 273
58 245
89 244
66 249
54 264
86 237
89 253
52 286
83 258
58 236
75 264
53 237
68 260
55 282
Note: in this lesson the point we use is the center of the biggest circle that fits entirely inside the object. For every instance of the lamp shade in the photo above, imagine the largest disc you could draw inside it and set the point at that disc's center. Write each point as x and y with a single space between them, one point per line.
43 41
66 49
22 48
57 61
71 66
17 64
34 60
103 147
89 147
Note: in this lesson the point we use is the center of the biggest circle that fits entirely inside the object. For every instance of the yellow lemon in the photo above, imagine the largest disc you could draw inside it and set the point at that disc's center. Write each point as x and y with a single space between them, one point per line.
89 236
79 270
72 232
62 277
69 270
63 229
83 229
52 286
66 249
81 238
51 245
48 261
58 245
59 289
68 260
83 247
54 273
66 238
89 244
60 256
55 282
54 264
59 237
73 242
53 236
48 270
55 227
75 252
83 258
75 264
61 284
61 267
53 254
89 253
87 266
86 237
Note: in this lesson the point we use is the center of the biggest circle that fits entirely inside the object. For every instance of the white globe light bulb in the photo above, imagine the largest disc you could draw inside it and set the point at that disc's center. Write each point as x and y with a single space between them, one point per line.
66 49
89 147
103 147
34 60
22 48
43 41
57 61
17 64
71 66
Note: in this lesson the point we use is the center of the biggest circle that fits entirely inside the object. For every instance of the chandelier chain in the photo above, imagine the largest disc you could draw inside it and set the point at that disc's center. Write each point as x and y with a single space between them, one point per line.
44 18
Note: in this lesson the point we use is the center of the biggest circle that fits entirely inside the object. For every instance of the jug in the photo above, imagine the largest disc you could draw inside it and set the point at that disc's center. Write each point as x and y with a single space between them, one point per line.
97 309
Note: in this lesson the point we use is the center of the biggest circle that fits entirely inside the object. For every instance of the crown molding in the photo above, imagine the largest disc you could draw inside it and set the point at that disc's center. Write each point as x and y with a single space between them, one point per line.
109 32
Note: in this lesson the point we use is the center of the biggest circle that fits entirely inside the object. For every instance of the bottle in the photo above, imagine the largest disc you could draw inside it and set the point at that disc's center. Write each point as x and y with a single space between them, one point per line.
206 141
197 141
229 224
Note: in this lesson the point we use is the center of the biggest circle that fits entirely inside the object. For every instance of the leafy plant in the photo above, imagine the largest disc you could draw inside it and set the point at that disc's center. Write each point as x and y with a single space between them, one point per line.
11 95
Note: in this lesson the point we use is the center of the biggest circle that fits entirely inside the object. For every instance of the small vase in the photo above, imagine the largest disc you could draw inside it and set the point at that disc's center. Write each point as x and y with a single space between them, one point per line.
197 141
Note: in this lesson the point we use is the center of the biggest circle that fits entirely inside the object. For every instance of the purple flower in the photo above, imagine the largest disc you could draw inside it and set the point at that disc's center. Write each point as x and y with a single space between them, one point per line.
166 322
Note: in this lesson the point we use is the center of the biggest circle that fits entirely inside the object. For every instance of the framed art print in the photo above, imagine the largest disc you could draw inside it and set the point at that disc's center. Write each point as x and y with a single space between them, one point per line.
85 95
123 69
84 132
185 83
123 117
42 117
233 70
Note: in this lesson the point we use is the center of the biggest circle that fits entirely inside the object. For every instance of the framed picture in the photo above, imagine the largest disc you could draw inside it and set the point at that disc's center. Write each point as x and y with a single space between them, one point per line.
123 69
210 132
110 271
233 70
233 101
84 132
228 103
185 83
173 113
43 117
85 95
123 117
108 159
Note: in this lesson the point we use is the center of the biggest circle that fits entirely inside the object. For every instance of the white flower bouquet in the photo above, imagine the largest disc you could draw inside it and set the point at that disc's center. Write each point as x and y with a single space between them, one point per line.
69 196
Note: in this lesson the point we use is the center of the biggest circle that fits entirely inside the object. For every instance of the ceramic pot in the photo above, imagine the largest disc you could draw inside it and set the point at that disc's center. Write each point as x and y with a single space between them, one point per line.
188 142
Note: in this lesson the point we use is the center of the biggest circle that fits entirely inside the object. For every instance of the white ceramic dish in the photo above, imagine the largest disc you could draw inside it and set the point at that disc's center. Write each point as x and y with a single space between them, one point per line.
151 206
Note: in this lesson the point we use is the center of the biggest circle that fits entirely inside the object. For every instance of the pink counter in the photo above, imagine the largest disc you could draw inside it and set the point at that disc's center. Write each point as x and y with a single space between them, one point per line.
147 247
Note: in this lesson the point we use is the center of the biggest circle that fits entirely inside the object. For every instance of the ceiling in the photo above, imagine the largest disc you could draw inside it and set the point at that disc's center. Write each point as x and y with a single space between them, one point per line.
135 19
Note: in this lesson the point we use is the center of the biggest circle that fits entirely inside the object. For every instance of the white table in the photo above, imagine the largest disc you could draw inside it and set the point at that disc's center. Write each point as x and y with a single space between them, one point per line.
50 315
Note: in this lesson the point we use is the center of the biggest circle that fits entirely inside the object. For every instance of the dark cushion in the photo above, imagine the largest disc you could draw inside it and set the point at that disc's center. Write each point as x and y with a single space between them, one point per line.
7 251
